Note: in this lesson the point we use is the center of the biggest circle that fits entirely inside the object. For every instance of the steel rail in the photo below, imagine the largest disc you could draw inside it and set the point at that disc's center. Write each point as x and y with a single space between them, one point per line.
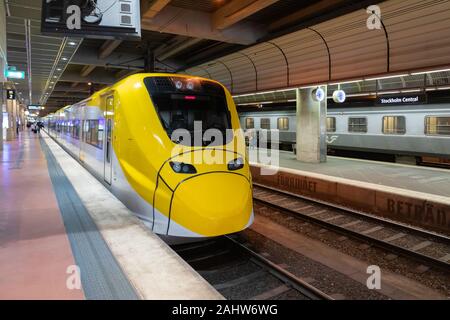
285 276
364 237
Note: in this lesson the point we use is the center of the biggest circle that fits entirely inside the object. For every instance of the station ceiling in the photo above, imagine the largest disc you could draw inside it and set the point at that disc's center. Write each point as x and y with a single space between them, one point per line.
182 34
192 35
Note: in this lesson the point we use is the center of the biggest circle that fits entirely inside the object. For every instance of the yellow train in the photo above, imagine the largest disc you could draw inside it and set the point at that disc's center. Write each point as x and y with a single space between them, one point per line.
169 147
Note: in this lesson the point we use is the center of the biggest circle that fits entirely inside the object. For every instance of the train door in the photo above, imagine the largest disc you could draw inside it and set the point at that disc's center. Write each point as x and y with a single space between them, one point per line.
81 131
109 119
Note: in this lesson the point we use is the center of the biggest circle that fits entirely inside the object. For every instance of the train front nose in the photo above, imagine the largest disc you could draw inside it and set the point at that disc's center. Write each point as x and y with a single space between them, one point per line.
212 204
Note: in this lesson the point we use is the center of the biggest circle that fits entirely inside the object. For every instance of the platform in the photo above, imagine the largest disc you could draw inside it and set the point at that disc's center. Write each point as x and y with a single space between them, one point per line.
55 217
415 195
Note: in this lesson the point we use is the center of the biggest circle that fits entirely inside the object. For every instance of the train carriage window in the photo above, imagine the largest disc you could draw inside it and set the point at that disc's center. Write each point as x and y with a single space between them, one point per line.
86 136
331 124
76 129
249 123
357 125
265 123
437 126
283 123
93 128
93 133
394 125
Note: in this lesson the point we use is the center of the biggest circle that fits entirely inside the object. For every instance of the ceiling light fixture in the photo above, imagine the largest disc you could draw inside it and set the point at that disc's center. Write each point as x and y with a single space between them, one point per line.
388 77
345 82
430 71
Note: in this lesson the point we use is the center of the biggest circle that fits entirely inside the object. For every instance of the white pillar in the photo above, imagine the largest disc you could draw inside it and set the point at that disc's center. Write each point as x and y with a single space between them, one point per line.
311 127
2 101
10 132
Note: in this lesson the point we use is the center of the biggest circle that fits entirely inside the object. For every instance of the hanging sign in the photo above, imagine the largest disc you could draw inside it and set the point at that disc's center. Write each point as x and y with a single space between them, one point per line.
11 94
318 94
339 96
105 19
402 99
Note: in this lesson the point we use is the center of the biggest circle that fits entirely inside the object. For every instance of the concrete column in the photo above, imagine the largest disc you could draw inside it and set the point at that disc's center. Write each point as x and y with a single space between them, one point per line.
10 132
22 118
2 101
311 127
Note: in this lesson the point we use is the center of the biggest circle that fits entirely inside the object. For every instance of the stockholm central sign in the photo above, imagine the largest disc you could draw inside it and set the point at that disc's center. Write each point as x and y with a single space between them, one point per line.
401 99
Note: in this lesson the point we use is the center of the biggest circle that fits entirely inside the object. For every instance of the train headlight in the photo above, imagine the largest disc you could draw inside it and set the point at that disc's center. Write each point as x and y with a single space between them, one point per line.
180 167
179 84
236 164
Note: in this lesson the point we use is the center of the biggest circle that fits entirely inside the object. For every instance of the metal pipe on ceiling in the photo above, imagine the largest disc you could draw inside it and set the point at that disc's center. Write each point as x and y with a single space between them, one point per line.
8 12
28 48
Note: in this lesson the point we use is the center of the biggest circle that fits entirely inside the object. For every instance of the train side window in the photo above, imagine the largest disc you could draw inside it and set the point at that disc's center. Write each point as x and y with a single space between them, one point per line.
437 126
265 123
86 136
357 125
95 133
394 125
76 129
249 123
331 124
283 123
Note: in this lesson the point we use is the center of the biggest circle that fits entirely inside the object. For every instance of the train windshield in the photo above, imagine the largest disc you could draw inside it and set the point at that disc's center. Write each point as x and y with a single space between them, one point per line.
188 108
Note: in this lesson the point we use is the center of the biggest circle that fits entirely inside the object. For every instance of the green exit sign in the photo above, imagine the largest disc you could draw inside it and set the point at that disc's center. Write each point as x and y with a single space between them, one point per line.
13 74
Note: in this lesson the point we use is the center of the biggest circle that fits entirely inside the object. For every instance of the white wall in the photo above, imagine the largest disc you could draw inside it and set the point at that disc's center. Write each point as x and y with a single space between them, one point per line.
2 65
2 40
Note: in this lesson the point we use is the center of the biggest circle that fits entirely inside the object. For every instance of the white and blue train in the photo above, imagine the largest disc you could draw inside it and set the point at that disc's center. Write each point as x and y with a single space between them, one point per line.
419 131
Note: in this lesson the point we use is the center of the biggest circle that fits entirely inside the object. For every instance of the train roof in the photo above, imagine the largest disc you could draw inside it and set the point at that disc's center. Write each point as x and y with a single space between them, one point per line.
103 91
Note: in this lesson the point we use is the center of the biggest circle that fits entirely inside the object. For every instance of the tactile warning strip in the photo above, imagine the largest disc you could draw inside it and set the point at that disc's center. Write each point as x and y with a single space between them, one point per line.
101 276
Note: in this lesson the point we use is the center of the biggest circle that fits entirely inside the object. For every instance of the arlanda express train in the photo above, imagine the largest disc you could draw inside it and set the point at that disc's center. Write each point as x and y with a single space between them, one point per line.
420 131
189 188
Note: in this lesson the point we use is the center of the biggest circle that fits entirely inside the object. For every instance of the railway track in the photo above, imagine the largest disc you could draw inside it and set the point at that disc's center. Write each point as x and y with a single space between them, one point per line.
430 249
239 273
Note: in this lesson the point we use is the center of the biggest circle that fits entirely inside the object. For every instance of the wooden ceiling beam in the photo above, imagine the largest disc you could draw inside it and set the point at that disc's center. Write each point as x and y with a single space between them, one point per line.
149 9
305 13
107 48
237 10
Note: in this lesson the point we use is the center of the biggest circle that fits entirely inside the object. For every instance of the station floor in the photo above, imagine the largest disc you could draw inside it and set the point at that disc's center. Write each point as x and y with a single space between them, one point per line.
435 181
34 249
63 235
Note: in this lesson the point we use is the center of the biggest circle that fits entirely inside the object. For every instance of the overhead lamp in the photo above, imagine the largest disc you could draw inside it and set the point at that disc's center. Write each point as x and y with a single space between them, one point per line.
71 43
429 71
388 77
64 59
345 82
411 90
359 95
58 69
89 83
389 92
